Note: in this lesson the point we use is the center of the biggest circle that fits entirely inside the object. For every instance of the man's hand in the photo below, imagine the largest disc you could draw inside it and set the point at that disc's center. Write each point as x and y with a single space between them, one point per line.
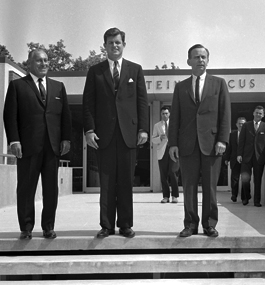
220 148
163 137
91 140
65 147
142 138
16 149
174 153
239 159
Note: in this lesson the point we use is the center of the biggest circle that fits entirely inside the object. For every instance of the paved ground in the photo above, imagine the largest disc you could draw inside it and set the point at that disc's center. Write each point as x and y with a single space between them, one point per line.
78 214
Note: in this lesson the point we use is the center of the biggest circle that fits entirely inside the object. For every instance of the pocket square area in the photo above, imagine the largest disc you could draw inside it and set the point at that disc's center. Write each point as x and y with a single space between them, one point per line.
58 98
130 80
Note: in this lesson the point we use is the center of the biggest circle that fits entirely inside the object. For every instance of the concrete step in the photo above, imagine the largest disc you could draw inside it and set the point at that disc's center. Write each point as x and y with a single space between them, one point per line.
229 281
82 241
136 263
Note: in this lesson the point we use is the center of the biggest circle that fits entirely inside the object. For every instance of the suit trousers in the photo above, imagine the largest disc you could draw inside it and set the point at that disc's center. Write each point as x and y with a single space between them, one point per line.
116 165
235 175
168 169
246 169
44 163
191 167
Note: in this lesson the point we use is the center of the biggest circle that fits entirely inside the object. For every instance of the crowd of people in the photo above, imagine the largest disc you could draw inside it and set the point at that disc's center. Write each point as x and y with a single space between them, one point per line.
191 138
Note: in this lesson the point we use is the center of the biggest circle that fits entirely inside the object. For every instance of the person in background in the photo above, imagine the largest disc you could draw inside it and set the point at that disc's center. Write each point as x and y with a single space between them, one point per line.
231 156
251 155
115 118
198 133
37 121
167 167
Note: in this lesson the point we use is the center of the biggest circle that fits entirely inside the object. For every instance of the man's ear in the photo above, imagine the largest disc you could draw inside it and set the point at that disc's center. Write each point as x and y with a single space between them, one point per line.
188 62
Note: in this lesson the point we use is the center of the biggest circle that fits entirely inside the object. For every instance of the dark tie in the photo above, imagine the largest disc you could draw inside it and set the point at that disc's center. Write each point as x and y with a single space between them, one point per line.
166 127
256 126
197 90
42 90
116 76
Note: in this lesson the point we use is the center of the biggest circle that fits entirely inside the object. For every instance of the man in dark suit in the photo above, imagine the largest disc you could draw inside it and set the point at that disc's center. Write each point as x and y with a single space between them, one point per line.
198 133
250 154
231 155
115 111
38 128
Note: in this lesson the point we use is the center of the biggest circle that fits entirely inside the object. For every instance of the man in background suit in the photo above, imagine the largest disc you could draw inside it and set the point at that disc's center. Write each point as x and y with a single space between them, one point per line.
167 167
198 133
250 154
231 155
38 128
115 114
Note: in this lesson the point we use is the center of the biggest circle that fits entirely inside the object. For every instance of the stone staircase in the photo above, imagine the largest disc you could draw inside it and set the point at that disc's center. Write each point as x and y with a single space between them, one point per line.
145 259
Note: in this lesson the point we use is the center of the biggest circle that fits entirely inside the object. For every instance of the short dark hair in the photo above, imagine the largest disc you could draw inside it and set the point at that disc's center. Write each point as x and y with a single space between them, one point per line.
36 50
165 108
112 32
259 107
241 119
197 46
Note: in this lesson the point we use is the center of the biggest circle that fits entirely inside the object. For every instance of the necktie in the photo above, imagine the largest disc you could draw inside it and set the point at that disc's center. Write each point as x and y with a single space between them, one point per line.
256 126
197 90
166 127
42 90
116 76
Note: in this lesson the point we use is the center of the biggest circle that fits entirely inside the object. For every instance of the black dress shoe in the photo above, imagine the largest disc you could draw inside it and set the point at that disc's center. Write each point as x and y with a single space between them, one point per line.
187 232
210 232
105 233
245 202
257 205
51 234
127 232
25 235
233 198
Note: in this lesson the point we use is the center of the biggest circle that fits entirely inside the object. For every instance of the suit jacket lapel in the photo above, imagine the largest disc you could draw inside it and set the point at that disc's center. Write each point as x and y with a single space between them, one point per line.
106 71
190 90
32 84
124 70
206 88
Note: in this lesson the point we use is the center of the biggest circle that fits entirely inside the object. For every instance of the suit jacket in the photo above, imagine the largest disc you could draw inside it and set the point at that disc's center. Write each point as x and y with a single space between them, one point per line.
251 142
27 119
209 122
159 129
231 151
103 109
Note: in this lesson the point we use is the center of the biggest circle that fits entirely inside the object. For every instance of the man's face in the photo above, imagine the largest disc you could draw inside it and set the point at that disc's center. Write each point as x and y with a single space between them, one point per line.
198 61
165 115
258 115
114 47
38 64
239 124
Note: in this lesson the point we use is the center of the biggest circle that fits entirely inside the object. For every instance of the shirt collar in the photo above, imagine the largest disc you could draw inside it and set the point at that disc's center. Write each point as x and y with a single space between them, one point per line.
35 79
202 77
111 62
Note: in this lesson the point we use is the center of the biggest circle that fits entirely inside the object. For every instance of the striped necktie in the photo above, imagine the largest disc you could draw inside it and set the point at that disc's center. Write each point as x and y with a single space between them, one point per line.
42 90
116 76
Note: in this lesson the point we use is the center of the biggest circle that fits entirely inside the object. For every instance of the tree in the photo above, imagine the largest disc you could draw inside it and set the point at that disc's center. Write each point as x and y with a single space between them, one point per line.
93 58
4 52
164 66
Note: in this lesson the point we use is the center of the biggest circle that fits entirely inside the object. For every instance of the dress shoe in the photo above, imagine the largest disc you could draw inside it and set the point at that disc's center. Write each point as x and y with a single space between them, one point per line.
165 200
51 234
233 198
257 205
127 232
105 233
187 232
210 232
25 235
174 199
245 202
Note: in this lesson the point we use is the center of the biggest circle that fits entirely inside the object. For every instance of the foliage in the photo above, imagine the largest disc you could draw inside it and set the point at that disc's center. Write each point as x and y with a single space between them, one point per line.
5 52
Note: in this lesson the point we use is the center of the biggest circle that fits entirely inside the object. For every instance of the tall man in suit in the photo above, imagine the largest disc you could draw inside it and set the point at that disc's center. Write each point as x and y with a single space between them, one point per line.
115 114
251 154
231 155
198 133
167 167
38 128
